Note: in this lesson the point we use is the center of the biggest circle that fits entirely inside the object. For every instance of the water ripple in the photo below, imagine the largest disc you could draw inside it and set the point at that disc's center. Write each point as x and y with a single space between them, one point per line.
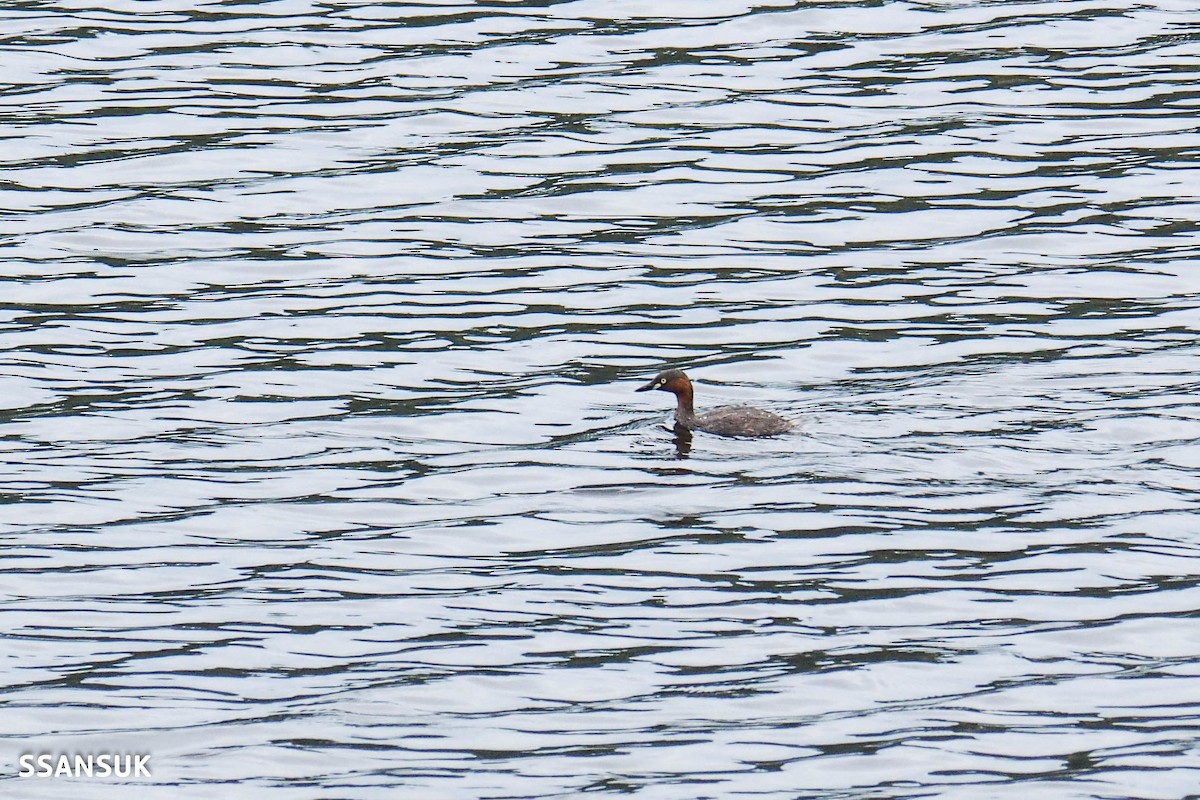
325 471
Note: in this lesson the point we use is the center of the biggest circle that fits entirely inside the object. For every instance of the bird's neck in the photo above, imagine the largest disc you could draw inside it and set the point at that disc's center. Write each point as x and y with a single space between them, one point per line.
685 413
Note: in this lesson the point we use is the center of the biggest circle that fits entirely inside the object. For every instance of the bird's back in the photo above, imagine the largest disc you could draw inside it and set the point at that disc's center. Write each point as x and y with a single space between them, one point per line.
741 421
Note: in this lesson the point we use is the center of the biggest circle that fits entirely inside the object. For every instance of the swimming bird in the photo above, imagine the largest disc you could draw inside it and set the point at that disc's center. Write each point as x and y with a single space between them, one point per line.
725 421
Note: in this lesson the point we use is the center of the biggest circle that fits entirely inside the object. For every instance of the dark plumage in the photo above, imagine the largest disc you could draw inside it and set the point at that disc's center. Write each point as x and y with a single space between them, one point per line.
726 420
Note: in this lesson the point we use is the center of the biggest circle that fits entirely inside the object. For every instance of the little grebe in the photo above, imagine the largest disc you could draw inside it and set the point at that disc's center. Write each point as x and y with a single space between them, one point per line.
726 421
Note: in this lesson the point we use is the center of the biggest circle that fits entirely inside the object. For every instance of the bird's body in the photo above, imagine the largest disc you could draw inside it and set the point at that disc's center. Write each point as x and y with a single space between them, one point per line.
725 421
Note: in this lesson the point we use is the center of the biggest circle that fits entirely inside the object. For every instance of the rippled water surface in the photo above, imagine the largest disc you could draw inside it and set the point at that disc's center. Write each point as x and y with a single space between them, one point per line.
324 472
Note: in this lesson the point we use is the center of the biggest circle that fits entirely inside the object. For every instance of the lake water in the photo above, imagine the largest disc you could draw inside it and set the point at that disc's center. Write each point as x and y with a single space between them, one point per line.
324 474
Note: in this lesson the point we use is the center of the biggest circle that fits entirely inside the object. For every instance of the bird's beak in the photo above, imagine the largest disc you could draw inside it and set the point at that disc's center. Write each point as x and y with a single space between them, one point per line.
647 387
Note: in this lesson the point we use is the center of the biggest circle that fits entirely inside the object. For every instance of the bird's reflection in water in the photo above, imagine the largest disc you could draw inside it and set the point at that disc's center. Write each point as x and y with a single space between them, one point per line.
683 442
